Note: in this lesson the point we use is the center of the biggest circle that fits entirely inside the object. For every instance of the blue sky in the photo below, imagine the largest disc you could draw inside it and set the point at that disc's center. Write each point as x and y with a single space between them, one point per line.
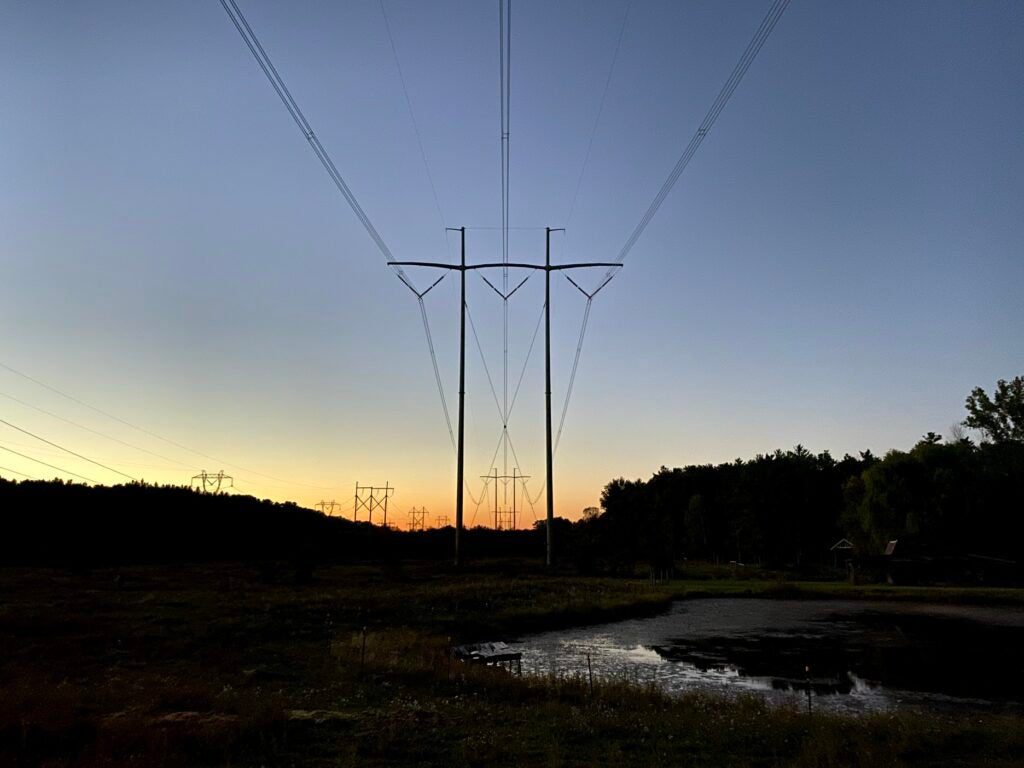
838 266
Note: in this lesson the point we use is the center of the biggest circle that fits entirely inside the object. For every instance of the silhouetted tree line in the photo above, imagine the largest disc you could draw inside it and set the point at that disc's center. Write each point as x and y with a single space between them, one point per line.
786 509
780 510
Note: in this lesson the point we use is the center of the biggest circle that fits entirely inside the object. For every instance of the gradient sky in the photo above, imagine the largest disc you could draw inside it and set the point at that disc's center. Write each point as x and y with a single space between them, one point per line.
839 265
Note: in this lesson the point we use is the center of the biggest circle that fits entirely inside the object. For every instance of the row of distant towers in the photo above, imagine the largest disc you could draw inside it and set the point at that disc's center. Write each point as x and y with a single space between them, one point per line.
373 498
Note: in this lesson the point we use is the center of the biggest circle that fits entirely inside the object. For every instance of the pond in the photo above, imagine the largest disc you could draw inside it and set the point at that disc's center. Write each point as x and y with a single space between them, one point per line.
854 656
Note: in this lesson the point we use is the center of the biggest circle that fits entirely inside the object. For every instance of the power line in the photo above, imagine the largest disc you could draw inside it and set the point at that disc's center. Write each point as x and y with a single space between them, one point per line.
763 31
42 450
508 414
487 371
505 438
440 214
505 97
505 63
93 431
505 78
16 472
51 466
437 371
430 347
525 492
68 450
281 89
154 434
412 114
483 493
536 330
444 405
279 86
575 367
600 110
471 496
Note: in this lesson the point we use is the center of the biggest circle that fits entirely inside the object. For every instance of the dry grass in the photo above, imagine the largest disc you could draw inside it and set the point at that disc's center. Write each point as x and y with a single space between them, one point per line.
211 666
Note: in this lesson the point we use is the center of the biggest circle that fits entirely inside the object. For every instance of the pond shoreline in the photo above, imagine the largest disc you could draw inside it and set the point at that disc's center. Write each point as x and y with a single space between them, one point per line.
835 590
856 656
658 599
201 664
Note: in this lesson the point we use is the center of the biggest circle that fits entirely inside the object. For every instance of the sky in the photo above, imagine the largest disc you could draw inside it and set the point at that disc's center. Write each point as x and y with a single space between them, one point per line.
839 265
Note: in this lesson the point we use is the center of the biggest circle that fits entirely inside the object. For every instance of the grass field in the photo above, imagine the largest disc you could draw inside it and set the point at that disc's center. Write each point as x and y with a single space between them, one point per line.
225 664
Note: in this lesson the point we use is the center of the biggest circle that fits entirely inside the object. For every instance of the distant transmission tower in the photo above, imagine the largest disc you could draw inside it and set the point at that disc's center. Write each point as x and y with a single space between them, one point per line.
417 519
441 521
327 507
505 518
370 497
207 482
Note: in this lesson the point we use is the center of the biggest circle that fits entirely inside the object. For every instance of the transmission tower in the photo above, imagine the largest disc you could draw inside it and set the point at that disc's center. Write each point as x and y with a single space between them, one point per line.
371 497
547 268
207 482
505 518
242 25
328 507
441 521
417 519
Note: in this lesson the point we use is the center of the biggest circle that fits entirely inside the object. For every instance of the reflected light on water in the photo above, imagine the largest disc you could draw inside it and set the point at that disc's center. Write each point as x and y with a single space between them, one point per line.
863 657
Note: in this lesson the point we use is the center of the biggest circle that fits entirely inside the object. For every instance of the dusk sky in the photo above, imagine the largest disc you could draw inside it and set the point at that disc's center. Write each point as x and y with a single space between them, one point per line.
839 265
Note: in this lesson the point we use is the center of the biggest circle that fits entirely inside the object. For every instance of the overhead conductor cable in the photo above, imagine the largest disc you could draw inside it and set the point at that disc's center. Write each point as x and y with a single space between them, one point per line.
768 23
775 12
281 89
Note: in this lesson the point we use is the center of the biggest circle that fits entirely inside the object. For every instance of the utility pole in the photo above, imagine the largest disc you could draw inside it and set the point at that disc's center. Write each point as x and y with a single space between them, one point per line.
549 555
461 451
462 268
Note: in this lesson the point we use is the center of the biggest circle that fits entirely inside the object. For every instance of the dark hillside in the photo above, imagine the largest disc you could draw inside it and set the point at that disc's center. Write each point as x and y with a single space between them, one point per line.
58 523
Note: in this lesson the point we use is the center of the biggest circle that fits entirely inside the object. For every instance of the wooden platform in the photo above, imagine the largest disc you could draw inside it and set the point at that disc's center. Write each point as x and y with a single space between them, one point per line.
491 654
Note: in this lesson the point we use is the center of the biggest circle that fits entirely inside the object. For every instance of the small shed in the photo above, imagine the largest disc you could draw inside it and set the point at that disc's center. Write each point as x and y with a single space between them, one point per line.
842 548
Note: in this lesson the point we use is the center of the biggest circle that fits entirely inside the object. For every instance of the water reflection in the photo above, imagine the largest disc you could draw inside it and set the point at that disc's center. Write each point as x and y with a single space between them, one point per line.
854 656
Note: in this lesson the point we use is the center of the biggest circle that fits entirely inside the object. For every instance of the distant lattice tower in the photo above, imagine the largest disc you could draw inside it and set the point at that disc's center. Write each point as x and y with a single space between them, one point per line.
505 519
441 521
327 507
208 482
370 497
417 519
